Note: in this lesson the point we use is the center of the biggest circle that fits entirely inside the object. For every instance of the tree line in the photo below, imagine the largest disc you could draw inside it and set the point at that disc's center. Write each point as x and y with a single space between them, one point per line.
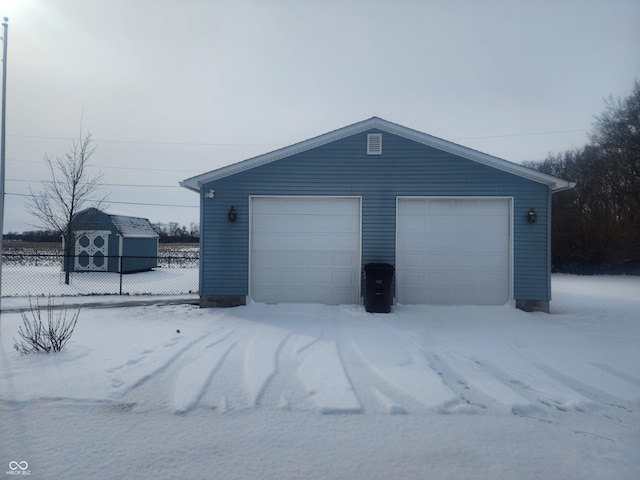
171 232
596 225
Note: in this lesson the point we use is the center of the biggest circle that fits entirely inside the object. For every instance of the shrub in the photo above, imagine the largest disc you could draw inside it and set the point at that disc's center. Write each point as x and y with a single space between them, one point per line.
45 336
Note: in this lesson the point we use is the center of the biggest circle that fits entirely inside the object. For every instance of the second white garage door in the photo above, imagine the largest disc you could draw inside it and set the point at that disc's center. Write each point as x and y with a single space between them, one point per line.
305 250
453 251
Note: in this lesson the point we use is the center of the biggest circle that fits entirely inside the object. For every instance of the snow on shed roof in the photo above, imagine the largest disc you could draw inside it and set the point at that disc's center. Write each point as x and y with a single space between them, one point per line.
133 226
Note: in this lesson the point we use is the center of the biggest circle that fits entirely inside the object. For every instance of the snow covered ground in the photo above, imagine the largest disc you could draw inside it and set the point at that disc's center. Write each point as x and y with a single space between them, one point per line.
332 392
21 281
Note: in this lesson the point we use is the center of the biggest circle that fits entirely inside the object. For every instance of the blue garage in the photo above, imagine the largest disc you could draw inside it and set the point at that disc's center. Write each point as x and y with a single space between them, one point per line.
299 224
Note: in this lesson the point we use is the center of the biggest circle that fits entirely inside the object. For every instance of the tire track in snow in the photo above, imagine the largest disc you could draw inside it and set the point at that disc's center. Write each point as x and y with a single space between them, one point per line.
535 386
401 363
475 385
261 360
375 394
134 374
193 379
160 389
323 374
284 390
614 410
526 392
132 378
552 388
597 383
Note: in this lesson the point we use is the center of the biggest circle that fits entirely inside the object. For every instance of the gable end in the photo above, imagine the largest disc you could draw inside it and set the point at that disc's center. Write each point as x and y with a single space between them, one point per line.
556 184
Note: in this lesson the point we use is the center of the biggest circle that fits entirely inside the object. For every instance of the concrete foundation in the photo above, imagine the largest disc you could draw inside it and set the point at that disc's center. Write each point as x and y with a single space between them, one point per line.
533 305
222 301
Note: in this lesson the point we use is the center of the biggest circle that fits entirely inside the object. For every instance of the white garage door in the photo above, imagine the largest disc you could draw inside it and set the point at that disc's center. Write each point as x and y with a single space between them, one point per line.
305 250
453 251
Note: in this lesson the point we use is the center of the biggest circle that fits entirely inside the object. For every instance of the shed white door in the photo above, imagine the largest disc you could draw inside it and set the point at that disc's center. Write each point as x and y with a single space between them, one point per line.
91 250
453 251
305 250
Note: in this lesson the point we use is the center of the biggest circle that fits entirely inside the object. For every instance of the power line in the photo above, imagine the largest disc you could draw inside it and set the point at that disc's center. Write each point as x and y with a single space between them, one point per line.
196 144
121 203
550 132
102 184
216 144
116 168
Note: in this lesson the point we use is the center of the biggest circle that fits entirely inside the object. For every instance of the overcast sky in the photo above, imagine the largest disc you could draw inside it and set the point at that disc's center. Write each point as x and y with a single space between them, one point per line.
173 88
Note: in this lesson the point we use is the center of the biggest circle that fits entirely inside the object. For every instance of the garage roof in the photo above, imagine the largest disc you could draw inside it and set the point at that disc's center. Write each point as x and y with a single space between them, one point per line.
556 184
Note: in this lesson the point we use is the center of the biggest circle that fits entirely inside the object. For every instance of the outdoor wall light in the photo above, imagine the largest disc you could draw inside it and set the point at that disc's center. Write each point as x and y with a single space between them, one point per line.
532 216
232 214
210 194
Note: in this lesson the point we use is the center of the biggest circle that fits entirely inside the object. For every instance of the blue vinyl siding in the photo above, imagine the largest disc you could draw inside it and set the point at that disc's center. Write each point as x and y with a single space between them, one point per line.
139 254
342 168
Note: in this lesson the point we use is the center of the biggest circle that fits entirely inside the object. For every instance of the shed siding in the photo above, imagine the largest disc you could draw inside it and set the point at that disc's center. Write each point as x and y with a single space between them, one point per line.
405 168
139 254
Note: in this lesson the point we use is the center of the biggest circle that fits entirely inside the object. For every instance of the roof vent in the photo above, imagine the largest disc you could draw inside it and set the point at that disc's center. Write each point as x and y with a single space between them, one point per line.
374 144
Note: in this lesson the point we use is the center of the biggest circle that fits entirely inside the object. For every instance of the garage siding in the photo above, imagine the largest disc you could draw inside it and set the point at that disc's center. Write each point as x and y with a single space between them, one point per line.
342 168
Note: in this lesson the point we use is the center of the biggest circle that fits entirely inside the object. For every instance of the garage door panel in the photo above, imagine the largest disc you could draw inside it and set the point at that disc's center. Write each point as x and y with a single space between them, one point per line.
438 261
438 223
411 242
464 279
437 296
465 224
342 279
316 259
496 224
493 263
344 242
463 246
338 260
414 277
498 207
413 207
464 261
344 223
437 279
437 242
439 206
305 250
414 296
492 243
416 260
412 223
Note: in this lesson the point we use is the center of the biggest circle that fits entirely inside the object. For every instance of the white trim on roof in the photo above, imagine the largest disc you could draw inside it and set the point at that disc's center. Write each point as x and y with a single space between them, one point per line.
556 184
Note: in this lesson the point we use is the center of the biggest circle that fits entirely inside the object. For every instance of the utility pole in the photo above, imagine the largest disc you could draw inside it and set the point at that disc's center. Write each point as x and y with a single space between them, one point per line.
5 27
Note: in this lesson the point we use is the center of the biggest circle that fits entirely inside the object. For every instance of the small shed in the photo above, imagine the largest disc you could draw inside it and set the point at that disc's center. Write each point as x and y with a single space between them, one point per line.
104 242
299 224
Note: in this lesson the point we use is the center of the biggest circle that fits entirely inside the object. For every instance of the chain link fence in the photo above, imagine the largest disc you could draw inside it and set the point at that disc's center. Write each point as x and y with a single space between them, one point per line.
30 271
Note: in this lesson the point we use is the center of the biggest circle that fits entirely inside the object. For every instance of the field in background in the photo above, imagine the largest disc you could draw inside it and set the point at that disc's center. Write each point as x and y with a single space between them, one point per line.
47 253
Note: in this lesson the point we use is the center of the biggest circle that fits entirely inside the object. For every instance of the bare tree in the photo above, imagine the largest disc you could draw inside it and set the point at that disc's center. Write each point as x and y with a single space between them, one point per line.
596 226
69 190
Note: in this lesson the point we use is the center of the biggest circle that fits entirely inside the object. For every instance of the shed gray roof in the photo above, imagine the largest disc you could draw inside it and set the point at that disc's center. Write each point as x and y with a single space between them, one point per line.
133 227
556 184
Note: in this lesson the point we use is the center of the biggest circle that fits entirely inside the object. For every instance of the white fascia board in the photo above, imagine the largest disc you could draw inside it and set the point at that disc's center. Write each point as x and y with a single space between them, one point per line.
476 156
556 184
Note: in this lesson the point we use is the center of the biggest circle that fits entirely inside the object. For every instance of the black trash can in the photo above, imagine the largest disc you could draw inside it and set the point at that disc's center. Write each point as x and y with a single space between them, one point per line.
378 278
